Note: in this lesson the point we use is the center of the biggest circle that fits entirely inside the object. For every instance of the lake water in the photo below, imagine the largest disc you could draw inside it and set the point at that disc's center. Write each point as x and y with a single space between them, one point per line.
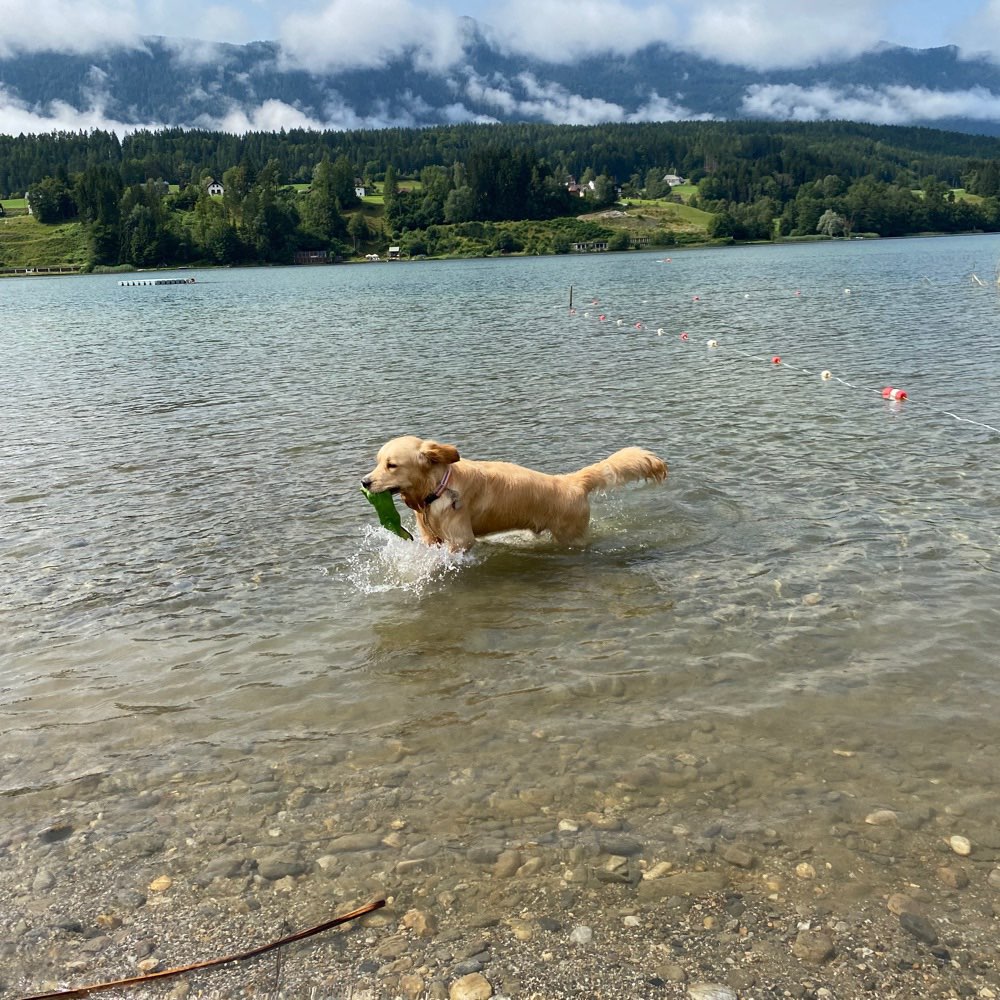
800 626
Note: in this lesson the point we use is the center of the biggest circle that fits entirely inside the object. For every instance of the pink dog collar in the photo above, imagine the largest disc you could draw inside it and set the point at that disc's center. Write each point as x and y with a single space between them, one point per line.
442 486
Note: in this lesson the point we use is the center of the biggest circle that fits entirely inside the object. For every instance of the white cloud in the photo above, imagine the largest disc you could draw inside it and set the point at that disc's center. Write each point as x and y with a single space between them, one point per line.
18 117
529 97
270 116
561 31
766 34
662 109
893 105
979 36
348 34
193 52
73 26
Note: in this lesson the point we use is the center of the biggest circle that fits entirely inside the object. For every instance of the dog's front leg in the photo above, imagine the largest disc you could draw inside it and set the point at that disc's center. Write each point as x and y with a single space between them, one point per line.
455 528
427 535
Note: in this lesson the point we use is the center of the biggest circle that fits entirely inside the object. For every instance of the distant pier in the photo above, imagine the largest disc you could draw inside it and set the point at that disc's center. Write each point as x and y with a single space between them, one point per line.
156 281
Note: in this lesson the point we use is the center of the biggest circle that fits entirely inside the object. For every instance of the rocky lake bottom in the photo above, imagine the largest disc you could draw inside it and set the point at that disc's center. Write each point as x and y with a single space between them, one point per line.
872 877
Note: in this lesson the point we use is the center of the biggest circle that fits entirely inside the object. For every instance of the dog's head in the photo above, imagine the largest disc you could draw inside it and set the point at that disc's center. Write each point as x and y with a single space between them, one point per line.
407 464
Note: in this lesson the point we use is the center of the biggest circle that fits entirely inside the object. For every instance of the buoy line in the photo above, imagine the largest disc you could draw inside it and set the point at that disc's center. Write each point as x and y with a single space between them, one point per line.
890 393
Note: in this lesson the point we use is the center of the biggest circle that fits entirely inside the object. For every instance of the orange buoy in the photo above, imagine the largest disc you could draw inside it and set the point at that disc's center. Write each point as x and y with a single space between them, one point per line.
889 393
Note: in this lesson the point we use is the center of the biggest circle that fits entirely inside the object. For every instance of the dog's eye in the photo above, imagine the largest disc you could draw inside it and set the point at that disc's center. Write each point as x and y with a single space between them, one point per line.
390 465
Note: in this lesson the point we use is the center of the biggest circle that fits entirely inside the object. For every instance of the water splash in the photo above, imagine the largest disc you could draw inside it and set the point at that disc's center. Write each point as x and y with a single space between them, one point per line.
385 562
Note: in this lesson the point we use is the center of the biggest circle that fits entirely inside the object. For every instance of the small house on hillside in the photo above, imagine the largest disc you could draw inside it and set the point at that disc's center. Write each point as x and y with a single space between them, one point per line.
215 188
674 180
360 190
580 190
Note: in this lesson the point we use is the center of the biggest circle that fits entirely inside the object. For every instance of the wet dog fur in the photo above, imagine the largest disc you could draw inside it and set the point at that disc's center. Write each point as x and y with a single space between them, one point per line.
458 500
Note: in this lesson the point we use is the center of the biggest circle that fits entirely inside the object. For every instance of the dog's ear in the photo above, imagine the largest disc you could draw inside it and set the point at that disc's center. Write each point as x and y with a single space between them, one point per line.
435 453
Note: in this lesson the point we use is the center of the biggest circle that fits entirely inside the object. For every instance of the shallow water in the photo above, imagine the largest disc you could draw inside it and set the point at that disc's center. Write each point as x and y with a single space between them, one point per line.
191 581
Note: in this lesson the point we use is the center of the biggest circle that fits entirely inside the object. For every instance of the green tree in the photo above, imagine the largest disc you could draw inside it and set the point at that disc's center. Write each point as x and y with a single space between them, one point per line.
460 205
236 187
357 229
50 200
390 185
322 215
142 238
605 192
832 223
342 183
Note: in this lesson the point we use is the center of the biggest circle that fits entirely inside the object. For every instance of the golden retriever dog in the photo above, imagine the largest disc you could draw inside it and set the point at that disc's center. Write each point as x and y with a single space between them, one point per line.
457 500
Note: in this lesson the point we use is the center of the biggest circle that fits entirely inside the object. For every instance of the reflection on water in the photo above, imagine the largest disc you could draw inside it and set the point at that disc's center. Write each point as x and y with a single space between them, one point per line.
188 571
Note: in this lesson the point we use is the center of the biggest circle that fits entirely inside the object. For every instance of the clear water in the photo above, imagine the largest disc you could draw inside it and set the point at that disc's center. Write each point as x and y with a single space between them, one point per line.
190 576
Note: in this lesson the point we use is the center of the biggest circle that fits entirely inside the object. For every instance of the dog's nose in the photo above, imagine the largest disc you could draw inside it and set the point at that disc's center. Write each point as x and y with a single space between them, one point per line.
367 482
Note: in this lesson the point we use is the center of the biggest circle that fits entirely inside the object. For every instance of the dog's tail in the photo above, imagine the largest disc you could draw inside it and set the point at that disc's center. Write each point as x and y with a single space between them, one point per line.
625 466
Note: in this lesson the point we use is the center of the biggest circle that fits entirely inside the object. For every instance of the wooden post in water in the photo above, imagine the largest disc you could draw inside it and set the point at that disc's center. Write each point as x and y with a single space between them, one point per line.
571 296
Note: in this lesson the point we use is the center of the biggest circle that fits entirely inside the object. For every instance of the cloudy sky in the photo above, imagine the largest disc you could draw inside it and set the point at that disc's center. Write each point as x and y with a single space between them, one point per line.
758 33
331 35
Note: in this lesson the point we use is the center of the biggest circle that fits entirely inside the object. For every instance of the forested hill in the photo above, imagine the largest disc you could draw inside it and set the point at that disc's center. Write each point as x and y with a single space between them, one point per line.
171 82
741 160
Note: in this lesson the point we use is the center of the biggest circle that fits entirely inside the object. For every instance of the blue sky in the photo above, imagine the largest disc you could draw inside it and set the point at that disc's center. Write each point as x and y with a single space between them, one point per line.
758 33
918 23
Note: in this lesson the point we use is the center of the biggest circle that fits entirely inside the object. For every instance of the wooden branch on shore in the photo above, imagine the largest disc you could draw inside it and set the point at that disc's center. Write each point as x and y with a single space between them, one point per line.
83 991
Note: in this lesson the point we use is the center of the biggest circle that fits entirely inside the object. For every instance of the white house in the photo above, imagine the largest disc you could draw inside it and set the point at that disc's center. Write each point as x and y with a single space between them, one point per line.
360 191
215 188
674 180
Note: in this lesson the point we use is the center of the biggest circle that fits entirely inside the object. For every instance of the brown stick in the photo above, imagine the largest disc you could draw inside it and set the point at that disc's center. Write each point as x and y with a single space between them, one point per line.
83 991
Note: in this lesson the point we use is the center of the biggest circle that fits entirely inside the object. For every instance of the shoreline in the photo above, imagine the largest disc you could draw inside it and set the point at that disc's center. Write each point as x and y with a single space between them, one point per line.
615 926
56 270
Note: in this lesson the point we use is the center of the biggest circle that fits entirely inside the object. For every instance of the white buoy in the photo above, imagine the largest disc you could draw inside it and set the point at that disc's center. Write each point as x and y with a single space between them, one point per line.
660 332
713 343
826 375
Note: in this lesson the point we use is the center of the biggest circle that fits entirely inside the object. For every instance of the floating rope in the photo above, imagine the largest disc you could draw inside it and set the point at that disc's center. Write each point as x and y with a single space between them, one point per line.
83 991
890 393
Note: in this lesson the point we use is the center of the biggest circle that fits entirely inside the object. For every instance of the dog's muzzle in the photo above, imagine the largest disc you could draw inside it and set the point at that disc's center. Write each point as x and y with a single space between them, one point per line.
367 484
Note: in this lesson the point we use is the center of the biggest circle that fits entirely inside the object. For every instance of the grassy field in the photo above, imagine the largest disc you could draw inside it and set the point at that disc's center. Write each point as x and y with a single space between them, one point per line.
26 243
641 216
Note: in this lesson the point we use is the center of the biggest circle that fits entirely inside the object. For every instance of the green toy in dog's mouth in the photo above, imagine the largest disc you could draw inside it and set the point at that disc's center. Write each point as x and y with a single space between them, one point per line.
385 507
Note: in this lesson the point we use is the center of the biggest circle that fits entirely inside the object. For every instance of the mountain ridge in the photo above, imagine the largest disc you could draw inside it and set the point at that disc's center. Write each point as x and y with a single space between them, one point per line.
170 82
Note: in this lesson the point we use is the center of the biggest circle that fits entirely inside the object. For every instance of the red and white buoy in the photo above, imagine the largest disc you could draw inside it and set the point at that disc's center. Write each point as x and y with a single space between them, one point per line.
889 393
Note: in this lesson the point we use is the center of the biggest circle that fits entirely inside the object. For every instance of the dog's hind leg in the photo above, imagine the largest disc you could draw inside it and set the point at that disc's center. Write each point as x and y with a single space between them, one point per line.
571 528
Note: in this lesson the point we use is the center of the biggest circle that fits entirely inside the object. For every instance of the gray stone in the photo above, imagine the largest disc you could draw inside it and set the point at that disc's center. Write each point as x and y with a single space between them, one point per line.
919 926
43 880
507 864
684 884
814 947
619 844
470 987
711 991
225 867
55 832
95 945
355 842
279 867
738 856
